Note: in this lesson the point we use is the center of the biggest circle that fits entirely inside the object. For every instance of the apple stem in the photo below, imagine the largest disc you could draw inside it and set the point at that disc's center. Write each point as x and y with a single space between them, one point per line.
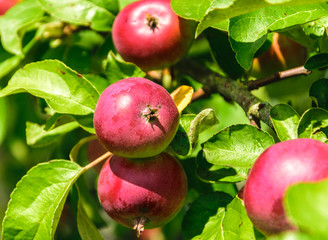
139 225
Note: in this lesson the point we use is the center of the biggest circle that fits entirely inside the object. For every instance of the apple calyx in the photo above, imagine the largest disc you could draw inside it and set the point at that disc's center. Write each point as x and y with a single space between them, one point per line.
150 113
152 22
139 225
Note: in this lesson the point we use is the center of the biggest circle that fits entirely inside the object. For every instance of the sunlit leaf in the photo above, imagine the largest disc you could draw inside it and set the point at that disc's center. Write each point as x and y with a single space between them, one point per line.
65 90
37 201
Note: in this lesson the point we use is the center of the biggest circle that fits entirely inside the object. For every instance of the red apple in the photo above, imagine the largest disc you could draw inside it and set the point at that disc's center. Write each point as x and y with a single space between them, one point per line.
149 34
94 151
142 193
136 118
277 168
5 5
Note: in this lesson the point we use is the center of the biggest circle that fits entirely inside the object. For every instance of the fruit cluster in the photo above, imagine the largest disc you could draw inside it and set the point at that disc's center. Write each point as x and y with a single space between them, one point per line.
139 185
136 119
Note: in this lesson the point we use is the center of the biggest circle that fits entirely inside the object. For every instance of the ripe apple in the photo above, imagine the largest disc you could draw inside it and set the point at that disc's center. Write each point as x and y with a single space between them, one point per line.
5 5
94 151
143 193
283 54
277 168
149 34
136 118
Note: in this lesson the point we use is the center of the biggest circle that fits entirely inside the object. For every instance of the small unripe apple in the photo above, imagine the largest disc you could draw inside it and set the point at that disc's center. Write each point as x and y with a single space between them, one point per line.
5 5
283 54
149 34
277 168
143 193
136 118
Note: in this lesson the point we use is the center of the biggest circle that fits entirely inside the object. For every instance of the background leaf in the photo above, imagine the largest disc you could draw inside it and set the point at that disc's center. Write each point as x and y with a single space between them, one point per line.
118 69
204 217
317 61
319 93
311 122
80 12
37 135
237 146
14 23
36 203
248 31
223 53
212 173
285 121
65 90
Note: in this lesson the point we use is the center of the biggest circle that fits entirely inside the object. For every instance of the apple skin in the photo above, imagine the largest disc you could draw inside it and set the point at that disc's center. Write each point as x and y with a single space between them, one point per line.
5 5
94 151
149 34
136 118
277 168
153 189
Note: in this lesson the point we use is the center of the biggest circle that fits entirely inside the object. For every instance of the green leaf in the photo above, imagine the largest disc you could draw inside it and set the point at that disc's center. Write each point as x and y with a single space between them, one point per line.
99 82
85 226
311 122
86 122
319 93
37 201
15 22
245 51
118 69
110 5
248 31
216 216
75 150
306 205
9 65
223 53
315 29
285 121
236 224
222 10
191 126
237 146
203 121
317 61
38 136
204 217
123 3
65 90
218 173
80 12
192 9
181 143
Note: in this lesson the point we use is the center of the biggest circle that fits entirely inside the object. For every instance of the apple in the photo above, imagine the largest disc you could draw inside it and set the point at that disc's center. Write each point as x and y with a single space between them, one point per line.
143 193
136 118
283 54
149 34
94 151
277 168
5 5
